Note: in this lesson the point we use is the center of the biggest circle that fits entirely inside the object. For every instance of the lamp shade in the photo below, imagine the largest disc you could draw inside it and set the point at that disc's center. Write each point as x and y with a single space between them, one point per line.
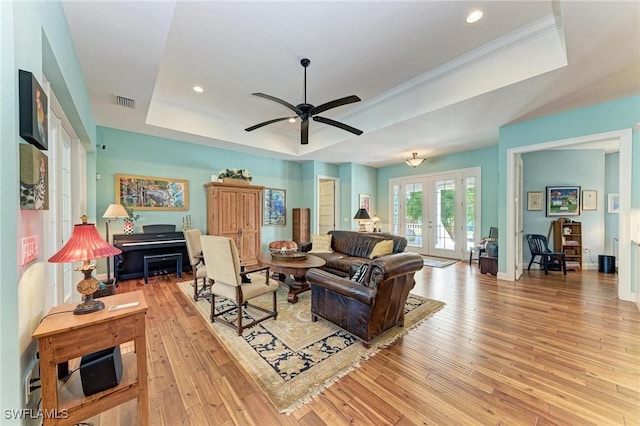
115 211
362 214
85 244
415 161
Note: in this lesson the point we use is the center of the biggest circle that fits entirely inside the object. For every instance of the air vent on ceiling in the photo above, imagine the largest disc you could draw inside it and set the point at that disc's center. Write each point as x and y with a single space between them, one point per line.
124 102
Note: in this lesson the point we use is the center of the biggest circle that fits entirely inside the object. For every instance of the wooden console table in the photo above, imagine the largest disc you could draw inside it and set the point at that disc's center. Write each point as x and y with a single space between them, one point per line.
63 336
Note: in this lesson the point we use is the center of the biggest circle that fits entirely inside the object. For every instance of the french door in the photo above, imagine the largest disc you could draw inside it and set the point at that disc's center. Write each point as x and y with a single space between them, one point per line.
438 214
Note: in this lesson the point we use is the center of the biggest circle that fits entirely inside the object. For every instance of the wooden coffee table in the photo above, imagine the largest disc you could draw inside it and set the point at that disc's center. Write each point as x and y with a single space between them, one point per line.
291 272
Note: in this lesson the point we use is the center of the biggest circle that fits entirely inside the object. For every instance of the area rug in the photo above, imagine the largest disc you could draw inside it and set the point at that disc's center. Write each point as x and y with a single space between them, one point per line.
293 359
437 262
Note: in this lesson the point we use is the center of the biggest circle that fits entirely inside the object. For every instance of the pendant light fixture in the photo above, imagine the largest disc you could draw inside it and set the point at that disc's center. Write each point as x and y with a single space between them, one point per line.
415 161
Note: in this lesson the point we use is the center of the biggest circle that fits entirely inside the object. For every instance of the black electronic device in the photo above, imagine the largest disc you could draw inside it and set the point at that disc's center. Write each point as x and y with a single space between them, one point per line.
101 370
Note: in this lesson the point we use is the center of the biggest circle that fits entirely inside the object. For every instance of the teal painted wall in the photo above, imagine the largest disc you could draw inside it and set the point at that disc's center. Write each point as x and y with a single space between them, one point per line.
605 117
486 158
364 181
138 154
34 37
584 168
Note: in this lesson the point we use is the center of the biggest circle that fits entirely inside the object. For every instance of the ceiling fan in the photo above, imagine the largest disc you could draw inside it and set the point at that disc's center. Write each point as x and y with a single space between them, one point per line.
306 111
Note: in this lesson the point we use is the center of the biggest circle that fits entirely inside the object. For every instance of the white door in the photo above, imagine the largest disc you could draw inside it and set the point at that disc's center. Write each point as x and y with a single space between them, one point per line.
326 205
60 274
437 214
519 235
444 233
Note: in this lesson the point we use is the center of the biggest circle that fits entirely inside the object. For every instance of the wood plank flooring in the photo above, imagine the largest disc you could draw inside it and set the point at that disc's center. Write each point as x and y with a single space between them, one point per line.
544 350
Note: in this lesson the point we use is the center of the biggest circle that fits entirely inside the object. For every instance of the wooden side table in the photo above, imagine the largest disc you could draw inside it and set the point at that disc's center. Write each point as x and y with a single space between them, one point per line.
488 265
63 336
295 268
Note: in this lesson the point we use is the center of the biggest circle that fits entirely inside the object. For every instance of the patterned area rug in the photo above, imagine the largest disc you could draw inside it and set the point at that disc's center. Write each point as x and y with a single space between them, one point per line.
293 359
438 262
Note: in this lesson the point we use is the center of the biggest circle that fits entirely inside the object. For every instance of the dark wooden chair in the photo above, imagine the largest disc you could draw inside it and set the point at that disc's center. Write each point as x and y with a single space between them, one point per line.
538 246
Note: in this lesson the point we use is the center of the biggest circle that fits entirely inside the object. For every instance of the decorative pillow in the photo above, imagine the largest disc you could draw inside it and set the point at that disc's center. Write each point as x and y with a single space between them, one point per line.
320 244
360 273
382 248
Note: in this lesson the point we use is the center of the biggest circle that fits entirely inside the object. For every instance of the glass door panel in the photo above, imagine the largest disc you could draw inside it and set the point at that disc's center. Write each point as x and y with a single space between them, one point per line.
413 215
442 223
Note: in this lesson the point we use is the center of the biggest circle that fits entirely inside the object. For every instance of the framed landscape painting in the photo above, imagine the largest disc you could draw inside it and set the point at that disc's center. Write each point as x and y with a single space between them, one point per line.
152 193
275 207
563 200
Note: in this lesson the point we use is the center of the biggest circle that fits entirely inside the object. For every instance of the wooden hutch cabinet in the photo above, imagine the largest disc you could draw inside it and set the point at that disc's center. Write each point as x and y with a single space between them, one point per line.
235 211
300 226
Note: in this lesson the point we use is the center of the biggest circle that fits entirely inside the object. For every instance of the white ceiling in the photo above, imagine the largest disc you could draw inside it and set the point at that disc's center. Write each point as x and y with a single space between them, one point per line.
429 82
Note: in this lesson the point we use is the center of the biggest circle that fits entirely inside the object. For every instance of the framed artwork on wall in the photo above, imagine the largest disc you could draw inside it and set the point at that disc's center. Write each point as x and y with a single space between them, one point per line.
274 207
589 200
534 200
34 178
614 203
152 193
563 200
364 201
34 110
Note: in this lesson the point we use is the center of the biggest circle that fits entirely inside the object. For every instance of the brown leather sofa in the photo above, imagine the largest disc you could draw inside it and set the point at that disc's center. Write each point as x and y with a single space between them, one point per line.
369 308
352 249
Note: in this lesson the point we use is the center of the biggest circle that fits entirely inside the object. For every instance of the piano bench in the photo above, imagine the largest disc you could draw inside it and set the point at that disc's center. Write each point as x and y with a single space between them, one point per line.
151 258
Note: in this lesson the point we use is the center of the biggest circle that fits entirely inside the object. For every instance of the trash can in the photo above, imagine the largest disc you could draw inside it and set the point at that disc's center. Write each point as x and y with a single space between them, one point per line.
606 264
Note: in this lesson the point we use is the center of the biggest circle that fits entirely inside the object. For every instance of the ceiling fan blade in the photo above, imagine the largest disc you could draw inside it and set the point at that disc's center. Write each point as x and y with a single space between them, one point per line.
278 100
334 104
304 132
338 124
275 120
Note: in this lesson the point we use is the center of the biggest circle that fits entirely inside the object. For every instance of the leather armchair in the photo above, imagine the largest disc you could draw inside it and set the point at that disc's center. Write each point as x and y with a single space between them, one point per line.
369 308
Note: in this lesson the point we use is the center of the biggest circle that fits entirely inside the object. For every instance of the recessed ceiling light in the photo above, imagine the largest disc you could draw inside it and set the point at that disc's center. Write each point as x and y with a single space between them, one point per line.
474 16
292 120
198 89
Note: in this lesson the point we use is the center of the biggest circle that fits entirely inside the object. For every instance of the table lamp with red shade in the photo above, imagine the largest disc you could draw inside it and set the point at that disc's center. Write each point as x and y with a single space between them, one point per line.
84 245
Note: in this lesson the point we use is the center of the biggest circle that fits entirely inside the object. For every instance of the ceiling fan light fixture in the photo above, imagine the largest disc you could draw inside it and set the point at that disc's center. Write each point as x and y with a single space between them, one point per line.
474 16
415 161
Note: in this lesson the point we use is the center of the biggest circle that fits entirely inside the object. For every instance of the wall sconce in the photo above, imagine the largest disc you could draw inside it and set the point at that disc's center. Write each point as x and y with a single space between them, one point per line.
415 161
362 216
85 244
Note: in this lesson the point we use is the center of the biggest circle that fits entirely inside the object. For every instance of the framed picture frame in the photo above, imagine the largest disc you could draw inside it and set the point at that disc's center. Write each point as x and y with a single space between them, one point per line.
589 200
563 200
613 205
34 111
152 193
534 200
34 178
364 202
274 211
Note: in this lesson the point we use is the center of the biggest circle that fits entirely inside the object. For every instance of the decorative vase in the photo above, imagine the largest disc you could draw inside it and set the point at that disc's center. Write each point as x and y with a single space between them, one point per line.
235 181
128 228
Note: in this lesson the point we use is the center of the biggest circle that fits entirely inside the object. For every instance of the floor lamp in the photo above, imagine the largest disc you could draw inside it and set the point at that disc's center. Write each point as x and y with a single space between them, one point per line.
114 212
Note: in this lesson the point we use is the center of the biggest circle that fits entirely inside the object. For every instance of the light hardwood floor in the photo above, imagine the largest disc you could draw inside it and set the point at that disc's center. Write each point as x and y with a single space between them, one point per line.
543 350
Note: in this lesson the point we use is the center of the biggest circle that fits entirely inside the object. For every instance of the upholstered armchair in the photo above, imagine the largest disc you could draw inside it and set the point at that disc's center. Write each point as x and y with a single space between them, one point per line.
225 277
368 308
198 268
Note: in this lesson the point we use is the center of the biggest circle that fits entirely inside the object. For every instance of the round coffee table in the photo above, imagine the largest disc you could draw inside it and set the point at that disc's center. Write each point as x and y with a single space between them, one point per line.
292 268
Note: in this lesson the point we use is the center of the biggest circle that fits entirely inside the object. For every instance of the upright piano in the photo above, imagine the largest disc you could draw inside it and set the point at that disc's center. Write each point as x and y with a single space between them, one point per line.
129 264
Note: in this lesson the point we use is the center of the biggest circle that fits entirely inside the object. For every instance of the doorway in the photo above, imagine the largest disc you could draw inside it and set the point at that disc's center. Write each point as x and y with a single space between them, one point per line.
626 291
438 214
327 204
